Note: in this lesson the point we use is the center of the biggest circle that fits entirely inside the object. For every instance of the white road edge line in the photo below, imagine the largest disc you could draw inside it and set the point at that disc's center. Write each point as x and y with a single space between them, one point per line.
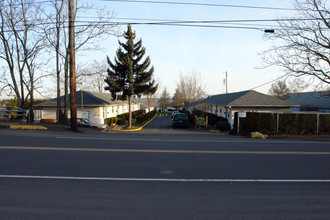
167 180
199 141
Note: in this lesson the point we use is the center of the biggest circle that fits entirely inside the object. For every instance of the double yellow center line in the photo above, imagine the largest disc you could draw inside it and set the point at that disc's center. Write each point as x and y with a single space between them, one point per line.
163 151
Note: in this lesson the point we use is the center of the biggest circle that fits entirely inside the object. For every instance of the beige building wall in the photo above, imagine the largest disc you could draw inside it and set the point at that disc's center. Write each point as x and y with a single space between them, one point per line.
94 114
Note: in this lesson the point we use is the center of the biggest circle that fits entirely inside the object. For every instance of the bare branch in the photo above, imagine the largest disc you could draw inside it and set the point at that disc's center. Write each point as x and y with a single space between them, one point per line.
303 45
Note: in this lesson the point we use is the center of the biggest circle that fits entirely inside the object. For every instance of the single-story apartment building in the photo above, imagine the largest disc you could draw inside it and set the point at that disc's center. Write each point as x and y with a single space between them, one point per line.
94 106
225 105
311 101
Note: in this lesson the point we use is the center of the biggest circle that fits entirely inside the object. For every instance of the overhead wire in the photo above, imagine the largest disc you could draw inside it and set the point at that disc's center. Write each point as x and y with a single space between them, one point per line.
274 80
199 4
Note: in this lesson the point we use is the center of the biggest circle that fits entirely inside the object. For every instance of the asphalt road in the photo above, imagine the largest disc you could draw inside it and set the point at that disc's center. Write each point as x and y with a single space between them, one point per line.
161 173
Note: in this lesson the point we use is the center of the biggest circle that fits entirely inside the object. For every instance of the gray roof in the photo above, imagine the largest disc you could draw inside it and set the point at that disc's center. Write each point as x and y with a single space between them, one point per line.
88 99
311 99
246 98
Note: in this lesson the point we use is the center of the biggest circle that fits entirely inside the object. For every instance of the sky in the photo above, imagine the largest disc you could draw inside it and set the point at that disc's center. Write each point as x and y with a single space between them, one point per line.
210 51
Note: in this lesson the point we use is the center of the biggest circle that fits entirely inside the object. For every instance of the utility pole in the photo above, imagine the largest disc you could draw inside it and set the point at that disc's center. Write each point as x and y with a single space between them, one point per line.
226 82
73 106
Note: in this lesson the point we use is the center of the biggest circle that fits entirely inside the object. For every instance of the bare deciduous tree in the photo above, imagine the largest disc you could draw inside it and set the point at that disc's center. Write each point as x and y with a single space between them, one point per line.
279 89
21 45
164 99
92 77
297 85
177 99
191 87
87 35
302 43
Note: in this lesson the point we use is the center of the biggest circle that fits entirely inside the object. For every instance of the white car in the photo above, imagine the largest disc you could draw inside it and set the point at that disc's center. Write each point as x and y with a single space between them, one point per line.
85 121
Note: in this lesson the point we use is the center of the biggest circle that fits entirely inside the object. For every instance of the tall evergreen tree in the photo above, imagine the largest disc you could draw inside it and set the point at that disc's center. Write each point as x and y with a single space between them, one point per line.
129 76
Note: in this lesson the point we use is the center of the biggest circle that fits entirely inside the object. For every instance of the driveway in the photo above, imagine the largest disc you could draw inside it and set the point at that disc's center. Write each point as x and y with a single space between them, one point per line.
162 124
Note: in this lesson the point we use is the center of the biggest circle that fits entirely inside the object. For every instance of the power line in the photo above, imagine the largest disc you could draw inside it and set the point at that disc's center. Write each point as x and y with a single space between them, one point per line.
269 82
202 4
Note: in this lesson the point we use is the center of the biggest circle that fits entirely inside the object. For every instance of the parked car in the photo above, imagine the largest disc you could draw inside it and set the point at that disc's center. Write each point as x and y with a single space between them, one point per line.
86 122
174 113
180 120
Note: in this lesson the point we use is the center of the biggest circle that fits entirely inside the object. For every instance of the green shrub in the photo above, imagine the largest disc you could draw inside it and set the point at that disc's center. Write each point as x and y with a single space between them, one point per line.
324 124
145 117
137 113
110 121
288 123
48 121
262 122
297 123
307 124
223 125
63 117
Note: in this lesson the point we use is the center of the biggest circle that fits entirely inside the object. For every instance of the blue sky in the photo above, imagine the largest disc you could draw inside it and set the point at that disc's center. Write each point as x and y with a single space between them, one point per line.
210 51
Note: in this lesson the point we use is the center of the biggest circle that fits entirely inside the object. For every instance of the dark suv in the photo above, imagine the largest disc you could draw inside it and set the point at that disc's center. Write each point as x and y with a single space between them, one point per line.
180 120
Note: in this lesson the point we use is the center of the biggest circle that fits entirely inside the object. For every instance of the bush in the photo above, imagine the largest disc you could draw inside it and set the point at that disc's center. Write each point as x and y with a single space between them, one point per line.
48 121
307 123
324 124
297 123
145 117
110 121
262 122
289 123
137 113
63 117
223 125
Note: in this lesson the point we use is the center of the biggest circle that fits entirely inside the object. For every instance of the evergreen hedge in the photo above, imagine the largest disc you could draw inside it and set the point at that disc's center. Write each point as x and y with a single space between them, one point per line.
122 118
324 124
288 123
145 117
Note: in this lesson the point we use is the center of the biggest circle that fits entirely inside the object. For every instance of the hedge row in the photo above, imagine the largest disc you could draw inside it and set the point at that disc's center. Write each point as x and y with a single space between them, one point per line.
122 118
287 123
145 117
48 121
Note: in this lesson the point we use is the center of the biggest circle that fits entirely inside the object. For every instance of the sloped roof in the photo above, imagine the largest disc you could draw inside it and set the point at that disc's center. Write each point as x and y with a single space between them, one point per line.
311 99
246 98
88 99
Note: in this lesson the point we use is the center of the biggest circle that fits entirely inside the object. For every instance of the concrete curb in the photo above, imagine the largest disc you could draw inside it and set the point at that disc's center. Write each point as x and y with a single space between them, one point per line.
136 129
27 127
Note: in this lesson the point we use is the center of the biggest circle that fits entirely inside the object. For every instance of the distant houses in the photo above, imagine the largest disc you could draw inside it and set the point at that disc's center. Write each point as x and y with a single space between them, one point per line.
311 101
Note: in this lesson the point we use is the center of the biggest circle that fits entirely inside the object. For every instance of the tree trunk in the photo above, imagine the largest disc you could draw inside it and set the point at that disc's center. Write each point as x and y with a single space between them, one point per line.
129 112
66 80
58 109
31 113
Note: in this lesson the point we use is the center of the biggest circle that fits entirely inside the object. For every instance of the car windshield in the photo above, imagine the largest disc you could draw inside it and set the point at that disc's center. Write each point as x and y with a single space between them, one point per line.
85 121
180 116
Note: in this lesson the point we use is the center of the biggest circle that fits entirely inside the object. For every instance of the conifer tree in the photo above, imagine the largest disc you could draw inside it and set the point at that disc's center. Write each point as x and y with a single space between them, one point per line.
129 75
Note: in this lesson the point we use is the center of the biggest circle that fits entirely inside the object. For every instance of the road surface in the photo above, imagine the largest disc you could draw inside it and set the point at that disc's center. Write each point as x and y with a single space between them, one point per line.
162 173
